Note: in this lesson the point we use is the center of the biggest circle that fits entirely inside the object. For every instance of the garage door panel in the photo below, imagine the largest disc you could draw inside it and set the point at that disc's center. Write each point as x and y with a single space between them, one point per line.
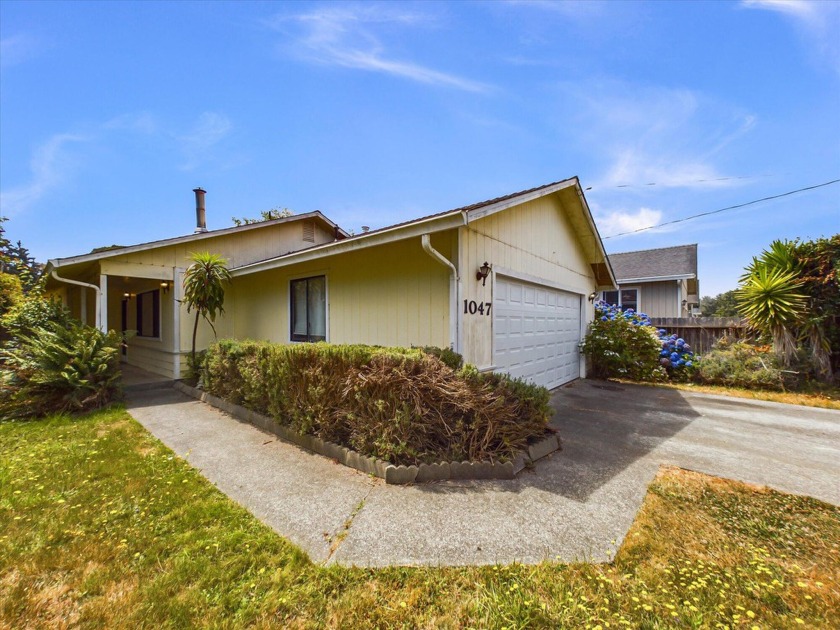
536 332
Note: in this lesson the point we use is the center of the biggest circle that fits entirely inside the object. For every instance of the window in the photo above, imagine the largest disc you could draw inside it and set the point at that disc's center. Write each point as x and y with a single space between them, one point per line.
629 299
626 298
148 314
309 309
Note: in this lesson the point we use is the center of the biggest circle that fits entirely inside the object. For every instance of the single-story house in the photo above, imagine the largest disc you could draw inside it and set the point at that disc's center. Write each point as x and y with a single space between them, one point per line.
658 282
509 283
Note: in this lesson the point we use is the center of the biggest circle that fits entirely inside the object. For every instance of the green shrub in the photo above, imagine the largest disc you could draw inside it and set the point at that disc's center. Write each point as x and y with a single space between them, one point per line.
741 364
401 405
33 313
447 355
62 367
623 348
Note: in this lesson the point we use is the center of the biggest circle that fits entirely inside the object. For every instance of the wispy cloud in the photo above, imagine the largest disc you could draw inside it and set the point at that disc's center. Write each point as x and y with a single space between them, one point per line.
16 49
210 129
619 221
668 137
346 38
817 21
51 164
54 162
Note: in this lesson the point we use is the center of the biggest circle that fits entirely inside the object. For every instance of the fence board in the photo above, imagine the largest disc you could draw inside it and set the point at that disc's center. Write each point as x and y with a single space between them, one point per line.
701 333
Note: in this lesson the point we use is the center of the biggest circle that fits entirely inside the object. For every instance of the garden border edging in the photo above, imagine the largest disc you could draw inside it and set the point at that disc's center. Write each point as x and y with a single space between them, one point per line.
391 473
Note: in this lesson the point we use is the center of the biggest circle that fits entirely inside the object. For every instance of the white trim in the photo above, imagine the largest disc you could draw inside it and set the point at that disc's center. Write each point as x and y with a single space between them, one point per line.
684 276
389 235
177 295
103 303
526 277
485 211
130 249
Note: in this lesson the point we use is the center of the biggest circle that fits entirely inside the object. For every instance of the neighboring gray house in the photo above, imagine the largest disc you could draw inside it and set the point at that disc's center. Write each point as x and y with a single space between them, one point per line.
658 282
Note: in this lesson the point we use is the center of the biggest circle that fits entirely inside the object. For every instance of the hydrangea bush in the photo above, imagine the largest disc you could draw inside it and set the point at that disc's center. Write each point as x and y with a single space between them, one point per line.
624 344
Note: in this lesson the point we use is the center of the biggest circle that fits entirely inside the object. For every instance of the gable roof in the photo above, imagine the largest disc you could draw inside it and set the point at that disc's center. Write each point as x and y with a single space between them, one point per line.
200 236
448 219
666 263
443 221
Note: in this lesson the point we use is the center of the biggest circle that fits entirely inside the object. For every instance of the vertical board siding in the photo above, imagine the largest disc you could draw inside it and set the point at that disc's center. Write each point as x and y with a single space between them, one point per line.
534 238
393 294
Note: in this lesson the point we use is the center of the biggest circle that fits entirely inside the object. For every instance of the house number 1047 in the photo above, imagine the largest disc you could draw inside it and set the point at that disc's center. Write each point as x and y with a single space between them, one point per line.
472 307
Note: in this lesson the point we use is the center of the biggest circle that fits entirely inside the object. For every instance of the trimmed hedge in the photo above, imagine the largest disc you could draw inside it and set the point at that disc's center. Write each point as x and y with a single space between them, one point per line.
404 406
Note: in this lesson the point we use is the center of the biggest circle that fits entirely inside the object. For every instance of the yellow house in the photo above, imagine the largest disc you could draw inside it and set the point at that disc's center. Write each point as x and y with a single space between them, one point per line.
507 282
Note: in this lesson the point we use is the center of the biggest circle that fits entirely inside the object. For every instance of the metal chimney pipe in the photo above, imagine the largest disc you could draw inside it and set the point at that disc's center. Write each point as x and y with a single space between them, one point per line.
200 212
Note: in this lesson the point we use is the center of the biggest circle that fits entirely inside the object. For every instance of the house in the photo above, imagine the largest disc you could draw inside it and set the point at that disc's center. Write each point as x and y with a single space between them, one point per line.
508 283
658 282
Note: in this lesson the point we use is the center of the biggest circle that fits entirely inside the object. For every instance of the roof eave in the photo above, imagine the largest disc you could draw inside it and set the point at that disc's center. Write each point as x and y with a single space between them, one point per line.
130 249
438 223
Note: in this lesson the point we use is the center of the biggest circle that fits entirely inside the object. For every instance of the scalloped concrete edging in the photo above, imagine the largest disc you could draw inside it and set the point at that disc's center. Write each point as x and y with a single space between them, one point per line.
392 474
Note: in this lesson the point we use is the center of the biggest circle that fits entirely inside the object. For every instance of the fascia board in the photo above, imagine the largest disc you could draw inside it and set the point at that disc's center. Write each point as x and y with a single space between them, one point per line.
177 240
428 226
485 211
686 276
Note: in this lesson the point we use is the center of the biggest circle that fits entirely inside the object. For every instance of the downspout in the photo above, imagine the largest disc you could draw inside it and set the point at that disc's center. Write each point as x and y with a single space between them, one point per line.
454 290
86 285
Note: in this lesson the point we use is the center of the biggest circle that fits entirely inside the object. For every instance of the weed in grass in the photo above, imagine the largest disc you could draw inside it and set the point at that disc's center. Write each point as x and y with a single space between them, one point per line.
101 526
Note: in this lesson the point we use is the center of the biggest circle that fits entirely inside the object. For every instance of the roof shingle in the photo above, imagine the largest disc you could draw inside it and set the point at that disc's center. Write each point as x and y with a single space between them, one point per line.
665 262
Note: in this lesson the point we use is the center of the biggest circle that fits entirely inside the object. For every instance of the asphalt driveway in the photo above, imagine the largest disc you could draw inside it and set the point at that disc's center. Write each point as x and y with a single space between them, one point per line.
574 505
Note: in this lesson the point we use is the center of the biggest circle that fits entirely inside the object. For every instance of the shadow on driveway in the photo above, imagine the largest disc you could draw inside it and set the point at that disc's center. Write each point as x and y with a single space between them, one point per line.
605 427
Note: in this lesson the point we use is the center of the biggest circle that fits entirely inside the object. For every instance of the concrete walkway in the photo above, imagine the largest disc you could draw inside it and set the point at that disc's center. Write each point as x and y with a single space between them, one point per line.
575 505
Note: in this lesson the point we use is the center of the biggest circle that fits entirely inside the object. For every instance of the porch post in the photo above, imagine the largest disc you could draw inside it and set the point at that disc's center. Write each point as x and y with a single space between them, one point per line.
177 296
102 307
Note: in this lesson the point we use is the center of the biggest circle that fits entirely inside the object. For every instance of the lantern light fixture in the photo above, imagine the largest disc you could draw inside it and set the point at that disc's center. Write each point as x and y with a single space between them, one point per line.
483 272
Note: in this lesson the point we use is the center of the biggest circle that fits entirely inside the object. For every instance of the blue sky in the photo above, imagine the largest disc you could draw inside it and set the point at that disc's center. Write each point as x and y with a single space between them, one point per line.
375 113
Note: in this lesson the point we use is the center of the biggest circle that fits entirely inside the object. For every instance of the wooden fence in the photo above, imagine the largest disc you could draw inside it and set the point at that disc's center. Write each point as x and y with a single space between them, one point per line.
701 333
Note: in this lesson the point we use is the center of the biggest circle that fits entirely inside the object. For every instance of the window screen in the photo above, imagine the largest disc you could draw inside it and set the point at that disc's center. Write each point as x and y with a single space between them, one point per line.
309 309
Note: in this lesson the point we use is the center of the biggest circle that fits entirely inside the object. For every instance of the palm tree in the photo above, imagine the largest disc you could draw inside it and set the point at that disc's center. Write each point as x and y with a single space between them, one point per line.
204 289
769 299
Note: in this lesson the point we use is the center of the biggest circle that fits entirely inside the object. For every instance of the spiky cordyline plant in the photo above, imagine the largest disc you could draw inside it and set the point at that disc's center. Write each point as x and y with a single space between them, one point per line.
769 299
204 289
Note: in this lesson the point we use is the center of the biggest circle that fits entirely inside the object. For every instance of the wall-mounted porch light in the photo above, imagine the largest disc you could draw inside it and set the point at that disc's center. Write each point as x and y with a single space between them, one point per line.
592 296
483 272
164 287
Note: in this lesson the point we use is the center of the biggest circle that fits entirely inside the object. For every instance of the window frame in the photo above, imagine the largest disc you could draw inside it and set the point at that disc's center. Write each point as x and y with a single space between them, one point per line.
308 338
638 291
156 314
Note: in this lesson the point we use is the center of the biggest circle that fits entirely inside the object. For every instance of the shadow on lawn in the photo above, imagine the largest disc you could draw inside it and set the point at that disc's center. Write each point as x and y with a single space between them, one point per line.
605 427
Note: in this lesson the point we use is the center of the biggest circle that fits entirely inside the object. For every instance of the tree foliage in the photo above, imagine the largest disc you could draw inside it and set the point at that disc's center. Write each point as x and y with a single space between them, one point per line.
792 293
16 260
204 289
265 215
722 305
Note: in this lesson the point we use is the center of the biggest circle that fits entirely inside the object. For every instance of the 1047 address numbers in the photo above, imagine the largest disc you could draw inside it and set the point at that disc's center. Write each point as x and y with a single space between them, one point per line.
471 307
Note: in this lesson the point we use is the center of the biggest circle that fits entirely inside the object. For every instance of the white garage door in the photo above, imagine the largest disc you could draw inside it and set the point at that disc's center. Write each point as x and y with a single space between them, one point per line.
536 332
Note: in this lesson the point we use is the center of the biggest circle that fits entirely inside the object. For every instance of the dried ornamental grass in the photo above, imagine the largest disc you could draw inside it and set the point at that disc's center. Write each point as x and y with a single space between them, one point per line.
401 405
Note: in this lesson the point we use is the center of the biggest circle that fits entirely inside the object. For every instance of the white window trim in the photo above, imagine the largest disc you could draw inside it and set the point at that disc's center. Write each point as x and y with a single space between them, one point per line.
638 291
303 276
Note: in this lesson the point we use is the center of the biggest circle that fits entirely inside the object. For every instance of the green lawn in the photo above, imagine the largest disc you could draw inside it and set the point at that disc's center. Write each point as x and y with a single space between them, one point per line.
101 526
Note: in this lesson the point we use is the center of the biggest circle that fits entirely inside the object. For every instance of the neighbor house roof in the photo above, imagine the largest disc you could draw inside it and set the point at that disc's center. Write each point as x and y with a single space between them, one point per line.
650 265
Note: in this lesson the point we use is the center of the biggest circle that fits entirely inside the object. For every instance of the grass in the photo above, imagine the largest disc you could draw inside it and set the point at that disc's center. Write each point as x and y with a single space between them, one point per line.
824 397
101 526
